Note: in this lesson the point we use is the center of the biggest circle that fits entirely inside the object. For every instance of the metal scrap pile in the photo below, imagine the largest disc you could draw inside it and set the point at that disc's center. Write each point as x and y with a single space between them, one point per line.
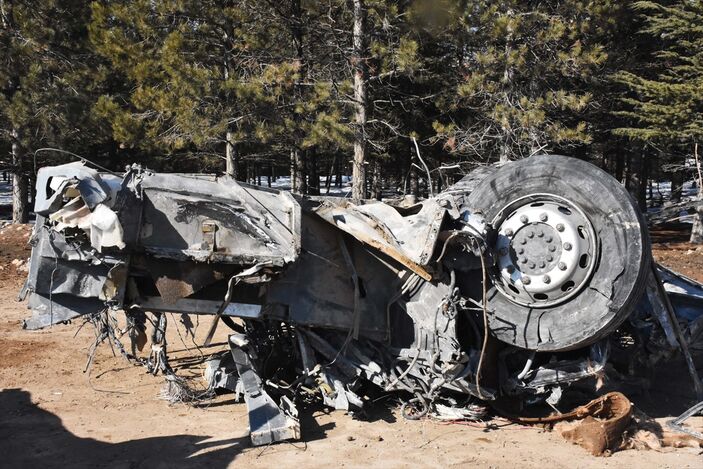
509 289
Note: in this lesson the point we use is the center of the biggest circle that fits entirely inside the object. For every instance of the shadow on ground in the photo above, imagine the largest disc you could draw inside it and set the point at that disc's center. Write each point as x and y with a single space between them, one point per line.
33 437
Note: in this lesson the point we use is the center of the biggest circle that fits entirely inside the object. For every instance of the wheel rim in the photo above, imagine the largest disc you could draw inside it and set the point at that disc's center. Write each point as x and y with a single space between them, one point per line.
546 250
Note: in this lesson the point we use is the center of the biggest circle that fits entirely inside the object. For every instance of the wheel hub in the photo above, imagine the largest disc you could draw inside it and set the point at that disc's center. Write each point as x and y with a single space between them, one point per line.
546 247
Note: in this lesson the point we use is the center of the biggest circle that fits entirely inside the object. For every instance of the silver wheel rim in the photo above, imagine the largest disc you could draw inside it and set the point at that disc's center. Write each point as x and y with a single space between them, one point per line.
546 249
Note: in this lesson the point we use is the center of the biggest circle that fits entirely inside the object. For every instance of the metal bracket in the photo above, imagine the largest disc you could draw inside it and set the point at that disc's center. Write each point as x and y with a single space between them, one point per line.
268 422
677 423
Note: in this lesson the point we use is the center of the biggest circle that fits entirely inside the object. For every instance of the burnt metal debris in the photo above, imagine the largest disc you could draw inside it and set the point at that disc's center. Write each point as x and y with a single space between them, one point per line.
509 289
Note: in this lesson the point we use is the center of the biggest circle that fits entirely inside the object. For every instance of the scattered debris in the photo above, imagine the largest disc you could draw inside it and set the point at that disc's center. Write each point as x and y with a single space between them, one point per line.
598 426
514 286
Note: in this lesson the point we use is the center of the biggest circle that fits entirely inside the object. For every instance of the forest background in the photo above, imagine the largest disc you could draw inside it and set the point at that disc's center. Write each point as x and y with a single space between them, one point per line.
315 90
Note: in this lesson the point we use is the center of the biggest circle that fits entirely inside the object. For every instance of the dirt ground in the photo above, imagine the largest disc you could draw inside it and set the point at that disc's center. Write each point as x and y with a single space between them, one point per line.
52 414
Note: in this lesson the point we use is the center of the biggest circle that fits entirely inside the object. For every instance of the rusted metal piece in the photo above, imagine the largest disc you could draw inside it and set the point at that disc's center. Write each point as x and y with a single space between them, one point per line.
599 425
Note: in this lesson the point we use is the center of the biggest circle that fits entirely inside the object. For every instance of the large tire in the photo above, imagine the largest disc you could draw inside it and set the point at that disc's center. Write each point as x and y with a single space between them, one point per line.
616 281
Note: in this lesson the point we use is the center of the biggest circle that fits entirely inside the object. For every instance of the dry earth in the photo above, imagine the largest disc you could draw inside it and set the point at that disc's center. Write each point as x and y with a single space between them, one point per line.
54 415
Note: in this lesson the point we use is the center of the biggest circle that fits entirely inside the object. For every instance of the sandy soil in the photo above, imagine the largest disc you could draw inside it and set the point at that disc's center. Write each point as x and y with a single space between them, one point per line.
54 415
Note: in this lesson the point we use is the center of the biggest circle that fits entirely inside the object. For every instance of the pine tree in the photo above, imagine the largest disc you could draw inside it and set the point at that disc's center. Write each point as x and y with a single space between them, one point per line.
665 103
521 69
45 72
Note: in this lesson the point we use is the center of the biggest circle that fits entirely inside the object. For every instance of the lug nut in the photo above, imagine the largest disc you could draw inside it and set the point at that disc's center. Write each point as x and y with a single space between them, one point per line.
548 239
523 241
523 260
542 265
560 227
543 217
546 279
523 218
540 234
567 246
530 234
552 248
550 258
526 280
520 251
532 265
561 266
509 232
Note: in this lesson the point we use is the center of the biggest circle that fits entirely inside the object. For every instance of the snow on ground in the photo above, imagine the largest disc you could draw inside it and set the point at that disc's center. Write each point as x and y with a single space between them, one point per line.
661 195
5 193
283 183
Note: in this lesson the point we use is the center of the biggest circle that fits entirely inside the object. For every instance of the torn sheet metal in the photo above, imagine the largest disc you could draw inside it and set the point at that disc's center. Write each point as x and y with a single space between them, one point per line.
210 219
408 235
268 422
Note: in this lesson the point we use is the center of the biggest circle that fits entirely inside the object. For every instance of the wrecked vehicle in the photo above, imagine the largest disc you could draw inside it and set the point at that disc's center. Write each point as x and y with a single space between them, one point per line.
509 288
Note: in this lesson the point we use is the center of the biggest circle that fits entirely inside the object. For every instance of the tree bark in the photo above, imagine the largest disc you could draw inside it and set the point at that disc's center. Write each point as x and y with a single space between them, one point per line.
414 182
313 176
697 228
20 206
637 179
376 185
328 181
676 186
359 64
297 177
231 156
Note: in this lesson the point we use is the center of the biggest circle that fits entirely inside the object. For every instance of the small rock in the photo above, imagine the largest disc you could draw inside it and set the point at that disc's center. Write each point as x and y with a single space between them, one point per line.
379 438
350 438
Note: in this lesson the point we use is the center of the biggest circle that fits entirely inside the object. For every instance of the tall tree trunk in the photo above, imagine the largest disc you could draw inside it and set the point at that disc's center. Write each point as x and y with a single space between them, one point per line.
20 206
414 182
328 181
359 64
676 186
313 176
298 183
376 185
637 179
338 174
231 156
697 228
293 172
619 166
